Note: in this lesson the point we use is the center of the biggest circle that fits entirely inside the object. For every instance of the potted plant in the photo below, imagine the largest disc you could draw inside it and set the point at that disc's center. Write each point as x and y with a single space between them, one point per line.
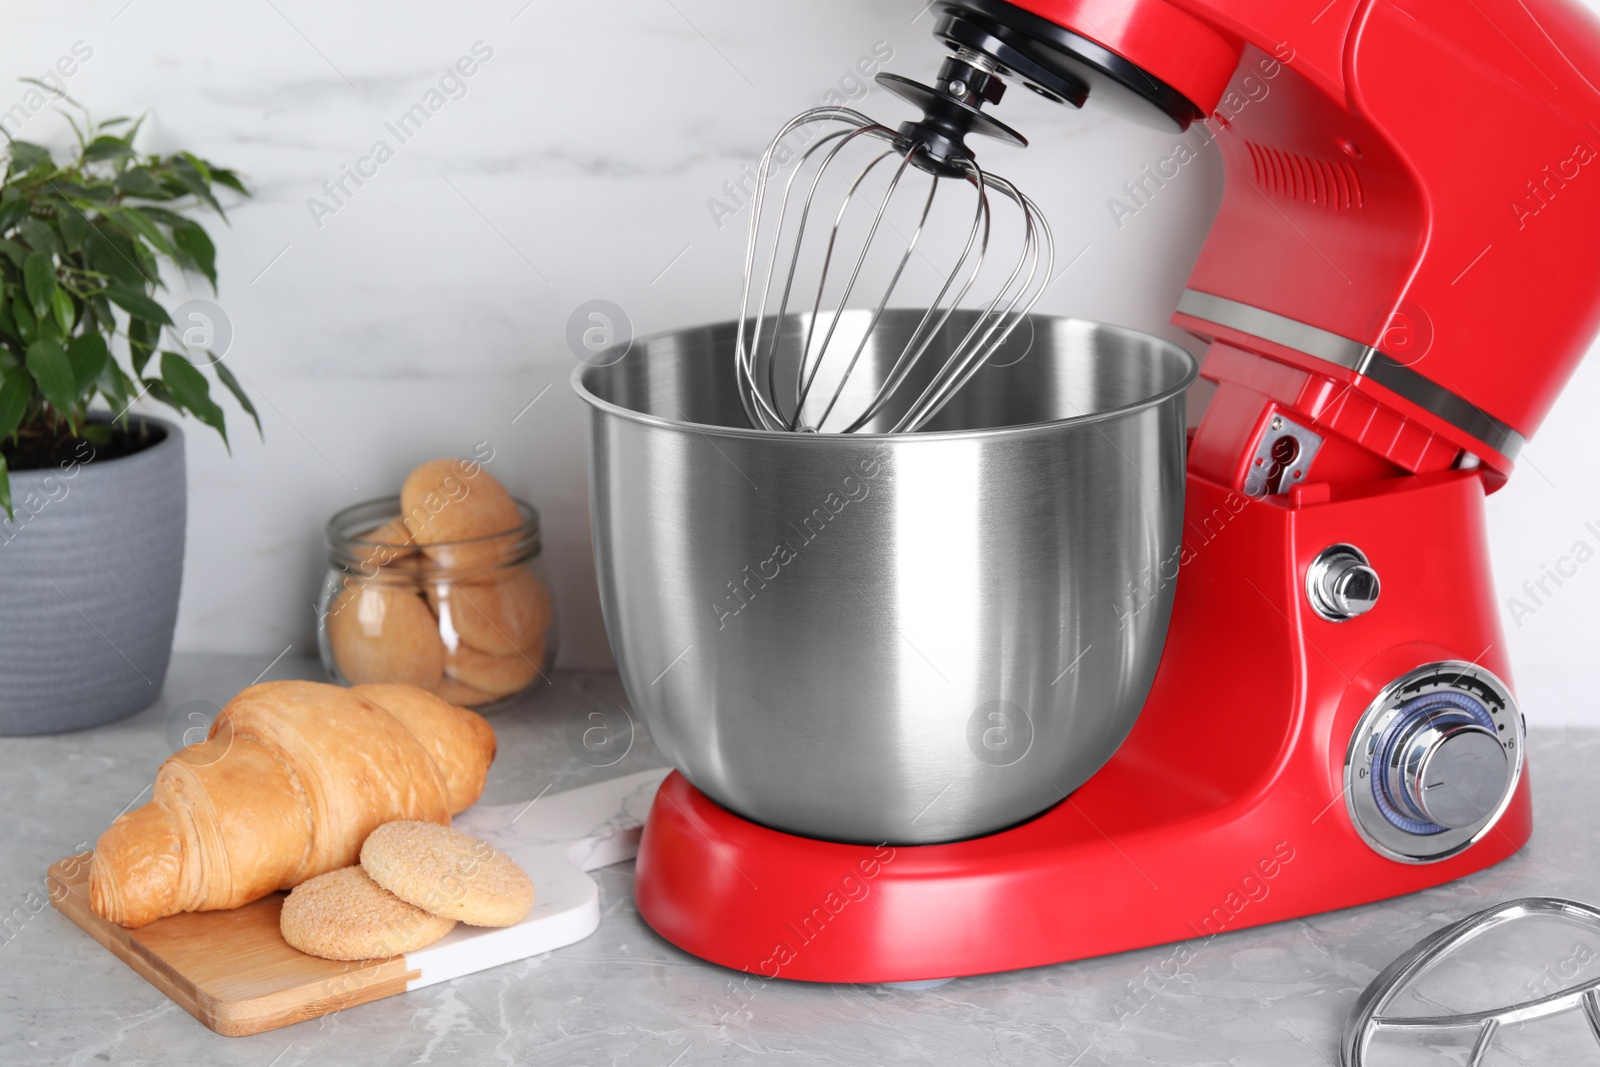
93 496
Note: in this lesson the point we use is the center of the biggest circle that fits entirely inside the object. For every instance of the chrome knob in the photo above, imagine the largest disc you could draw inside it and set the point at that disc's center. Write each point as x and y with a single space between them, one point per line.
1434 761
1453 774
1341 584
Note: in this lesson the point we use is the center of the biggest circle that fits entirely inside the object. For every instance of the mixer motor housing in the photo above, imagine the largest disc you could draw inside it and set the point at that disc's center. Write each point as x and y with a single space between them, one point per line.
1400 280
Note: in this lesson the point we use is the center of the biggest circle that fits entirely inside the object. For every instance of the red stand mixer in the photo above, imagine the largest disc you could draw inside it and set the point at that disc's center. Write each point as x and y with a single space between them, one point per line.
1398 283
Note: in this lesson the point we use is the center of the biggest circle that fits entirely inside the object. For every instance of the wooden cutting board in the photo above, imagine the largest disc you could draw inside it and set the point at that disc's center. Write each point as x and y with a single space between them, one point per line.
233 971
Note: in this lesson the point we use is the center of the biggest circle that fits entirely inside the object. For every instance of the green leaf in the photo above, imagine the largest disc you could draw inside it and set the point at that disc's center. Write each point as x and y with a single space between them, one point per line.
116 386
142 337
14 252
61 302
5 488
87 355
8 326
26 155
136 221
166 218
96 433
39 236
99 191
66 188
106 146
137 304
39 276
138 181
27 325
12 209
190 388
193 243
156 391
16 392
198 164
149 265
47 362
78 131
195 178
228 178
112 254
100 313
226 377
73 226
55 92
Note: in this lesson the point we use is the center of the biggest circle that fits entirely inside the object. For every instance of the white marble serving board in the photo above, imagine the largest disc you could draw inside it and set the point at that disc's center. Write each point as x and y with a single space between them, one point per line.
557 838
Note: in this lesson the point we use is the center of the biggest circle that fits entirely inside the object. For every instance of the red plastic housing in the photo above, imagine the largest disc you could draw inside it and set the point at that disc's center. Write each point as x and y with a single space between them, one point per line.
1421 178
1223 809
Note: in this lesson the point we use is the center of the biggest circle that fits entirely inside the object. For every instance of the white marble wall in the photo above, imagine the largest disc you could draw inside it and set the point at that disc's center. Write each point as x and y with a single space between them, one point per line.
426 309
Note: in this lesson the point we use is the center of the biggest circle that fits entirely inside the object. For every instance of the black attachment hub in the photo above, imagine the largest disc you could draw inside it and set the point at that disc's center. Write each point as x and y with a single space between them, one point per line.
1056 63
950 111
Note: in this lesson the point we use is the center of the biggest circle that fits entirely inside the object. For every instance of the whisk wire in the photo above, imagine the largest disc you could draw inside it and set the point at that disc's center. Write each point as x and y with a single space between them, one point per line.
844 298
802 380
965 362
844 137
922 337
758 407
770 400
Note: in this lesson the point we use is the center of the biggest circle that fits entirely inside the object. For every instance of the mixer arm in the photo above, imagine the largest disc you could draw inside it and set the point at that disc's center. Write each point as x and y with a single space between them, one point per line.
1376 272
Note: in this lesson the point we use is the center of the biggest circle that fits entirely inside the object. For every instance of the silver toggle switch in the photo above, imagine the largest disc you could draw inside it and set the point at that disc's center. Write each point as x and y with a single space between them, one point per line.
1341 584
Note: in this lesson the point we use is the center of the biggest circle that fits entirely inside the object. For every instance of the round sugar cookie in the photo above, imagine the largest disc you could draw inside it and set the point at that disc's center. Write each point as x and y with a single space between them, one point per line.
389 541
450 500
448 872
498 676
461 694
345 915
502 616
383 632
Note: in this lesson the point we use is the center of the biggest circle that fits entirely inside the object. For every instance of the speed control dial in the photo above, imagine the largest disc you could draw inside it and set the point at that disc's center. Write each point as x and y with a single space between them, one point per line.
1433 761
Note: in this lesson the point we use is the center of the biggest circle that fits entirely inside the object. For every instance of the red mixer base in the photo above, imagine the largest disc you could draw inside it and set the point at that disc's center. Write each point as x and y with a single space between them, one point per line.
1054 889
1224 809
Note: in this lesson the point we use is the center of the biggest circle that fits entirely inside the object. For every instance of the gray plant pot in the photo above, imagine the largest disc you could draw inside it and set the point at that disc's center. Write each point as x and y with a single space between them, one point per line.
90 569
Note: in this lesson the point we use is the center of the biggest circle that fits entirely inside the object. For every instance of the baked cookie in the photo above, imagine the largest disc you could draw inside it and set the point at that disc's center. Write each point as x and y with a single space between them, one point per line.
452 500
497 675
345 915
390 541
383 632
502 616
461 694
448 872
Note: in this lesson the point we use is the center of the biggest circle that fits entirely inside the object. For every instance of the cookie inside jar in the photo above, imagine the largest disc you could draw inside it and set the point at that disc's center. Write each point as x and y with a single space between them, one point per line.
442 587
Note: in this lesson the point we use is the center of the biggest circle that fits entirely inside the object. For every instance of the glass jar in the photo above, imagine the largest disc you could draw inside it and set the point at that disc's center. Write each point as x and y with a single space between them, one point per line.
472 621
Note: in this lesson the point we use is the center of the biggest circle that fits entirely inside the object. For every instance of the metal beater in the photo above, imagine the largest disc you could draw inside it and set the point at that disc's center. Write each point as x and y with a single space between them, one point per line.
800 274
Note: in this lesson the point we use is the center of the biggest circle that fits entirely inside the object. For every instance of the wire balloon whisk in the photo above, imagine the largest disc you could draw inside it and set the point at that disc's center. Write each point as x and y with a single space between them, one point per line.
863 209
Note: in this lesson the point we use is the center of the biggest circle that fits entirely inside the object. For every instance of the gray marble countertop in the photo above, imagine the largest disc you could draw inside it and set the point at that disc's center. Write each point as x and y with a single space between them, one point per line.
1275 996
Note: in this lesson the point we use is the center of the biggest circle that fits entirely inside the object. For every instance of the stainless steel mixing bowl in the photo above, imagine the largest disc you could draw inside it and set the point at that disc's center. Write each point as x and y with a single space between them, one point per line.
907 638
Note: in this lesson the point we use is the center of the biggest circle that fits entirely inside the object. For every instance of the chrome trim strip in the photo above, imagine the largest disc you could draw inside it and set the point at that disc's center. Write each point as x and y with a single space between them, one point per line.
1279 329
1362 359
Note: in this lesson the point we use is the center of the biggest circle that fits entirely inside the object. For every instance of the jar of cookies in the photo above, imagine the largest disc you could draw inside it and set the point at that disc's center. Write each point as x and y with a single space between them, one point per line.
441 587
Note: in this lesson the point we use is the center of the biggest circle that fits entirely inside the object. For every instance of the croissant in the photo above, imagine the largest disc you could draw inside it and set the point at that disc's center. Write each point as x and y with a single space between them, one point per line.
288 783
